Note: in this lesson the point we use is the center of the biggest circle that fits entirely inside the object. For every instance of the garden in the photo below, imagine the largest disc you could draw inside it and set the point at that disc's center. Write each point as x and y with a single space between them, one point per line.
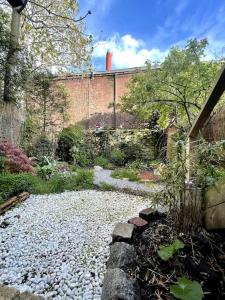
65 184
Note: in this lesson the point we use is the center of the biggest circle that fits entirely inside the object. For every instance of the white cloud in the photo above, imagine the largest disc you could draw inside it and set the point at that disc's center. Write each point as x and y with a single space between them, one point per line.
127 51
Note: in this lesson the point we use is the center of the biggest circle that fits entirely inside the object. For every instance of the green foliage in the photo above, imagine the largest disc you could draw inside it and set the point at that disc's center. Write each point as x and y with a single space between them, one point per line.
46 104
137 165
107 187
101 161
80 156
54 34
117 157
45 171
13 184
186 289
69 143
43 147
173 177
129 174
2 164
166 252
4 44
208 161
176 89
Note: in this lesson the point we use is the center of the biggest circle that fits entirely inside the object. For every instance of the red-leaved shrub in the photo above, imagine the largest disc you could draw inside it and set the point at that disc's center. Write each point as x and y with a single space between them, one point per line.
15 161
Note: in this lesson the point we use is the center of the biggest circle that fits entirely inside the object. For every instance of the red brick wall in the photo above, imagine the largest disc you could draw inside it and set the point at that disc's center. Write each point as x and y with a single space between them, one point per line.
90 98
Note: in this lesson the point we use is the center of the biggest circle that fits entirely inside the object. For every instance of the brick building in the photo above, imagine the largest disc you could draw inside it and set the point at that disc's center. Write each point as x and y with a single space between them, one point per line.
94 96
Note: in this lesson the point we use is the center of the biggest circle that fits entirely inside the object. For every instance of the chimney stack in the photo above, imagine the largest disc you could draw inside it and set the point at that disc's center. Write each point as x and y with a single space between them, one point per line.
108 61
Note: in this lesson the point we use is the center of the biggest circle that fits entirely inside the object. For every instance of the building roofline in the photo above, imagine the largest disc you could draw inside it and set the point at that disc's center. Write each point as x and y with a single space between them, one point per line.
102 73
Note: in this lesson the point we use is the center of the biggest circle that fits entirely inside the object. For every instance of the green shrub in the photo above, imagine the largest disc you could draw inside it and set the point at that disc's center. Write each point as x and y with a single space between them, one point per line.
80 156
101 161
137 165
117 157
131 175
43 147
13 184
107 187
68 138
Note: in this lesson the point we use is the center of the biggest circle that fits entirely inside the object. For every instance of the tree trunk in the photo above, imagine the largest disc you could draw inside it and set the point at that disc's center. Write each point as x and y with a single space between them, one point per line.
10 70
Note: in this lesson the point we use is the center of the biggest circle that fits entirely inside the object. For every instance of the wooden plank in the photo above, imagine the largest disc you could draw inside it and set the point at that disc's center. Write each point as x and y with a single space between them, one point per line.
211 102
13 201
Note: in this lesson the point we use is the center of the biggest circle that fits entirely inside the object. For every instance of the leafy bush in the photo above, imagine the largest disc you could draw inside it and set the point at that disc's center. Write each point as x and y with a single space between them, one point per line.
80 156
43 147
131 175
117 157
101 161
13 184
137 165
14 160
68 138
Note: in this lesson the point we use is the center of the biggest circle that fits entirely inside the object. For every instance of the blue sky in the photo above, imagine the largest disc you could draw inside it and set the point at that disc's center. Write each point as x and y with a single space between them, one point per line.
139 30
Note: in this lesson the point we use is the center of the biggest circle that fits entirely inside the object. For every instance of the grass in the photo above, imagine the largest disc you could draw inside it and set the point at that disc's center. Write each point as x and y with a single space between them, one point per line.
107 187
13 184
131 175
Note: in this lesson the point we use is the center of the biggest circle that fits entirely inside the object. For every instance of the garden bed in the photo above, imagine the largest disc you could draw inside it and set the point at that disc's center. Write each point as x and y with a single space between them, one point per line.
202 259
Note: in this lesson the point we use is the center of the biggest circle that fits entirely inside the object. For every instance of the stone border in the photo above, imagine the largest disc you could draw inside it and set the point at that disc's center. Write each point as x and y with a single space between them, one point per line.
117 283
10 293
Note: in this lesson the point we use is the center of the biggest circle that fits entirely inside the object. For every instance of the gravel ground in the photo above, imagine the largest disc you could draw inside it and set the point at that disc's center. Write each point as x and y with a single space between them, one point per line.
56 245
105 176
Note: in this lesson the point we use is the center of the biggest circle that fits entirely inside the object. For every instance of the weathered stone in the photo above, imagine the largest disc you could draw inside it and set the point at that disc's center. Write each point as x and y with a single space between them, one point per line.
97 168
7 293
138 223
215 206
121 255
4 224
117 285
10 293
150 214
122 232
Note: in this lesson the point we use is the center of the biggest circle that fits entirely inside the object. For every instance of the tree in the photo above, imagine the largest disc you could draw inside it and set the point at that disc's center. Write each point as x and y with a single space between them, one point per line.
176 89
51 34
46 104
4 45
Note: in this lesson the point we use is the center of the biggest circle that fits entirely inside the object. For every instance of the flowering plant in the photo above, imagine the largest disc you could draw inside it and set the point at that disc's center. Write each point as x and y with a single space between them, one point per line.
15 161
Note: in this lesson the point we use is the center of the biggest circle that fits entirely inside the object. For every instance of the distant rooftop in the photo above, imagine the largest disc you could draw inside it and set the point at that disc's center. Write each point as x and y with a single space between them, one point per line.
103 73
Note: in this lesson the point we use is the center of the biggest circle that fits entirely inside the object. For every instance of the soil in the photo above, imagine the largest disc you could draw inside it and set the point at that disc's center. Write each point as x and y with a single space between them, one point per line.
202 259
148 176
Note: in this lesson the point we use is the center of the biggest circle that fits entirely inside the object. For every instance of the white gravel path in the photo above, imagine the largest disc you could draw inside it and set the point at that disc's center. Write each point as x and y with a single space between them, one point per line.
56 245
102 175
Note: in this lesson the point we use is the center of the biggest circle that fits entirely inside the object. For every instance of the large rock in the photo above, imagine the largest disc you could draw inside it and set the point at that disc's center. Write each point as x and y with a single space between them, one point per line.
215 206
7 293
117 285
10 293
121 255
150 214
123 232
